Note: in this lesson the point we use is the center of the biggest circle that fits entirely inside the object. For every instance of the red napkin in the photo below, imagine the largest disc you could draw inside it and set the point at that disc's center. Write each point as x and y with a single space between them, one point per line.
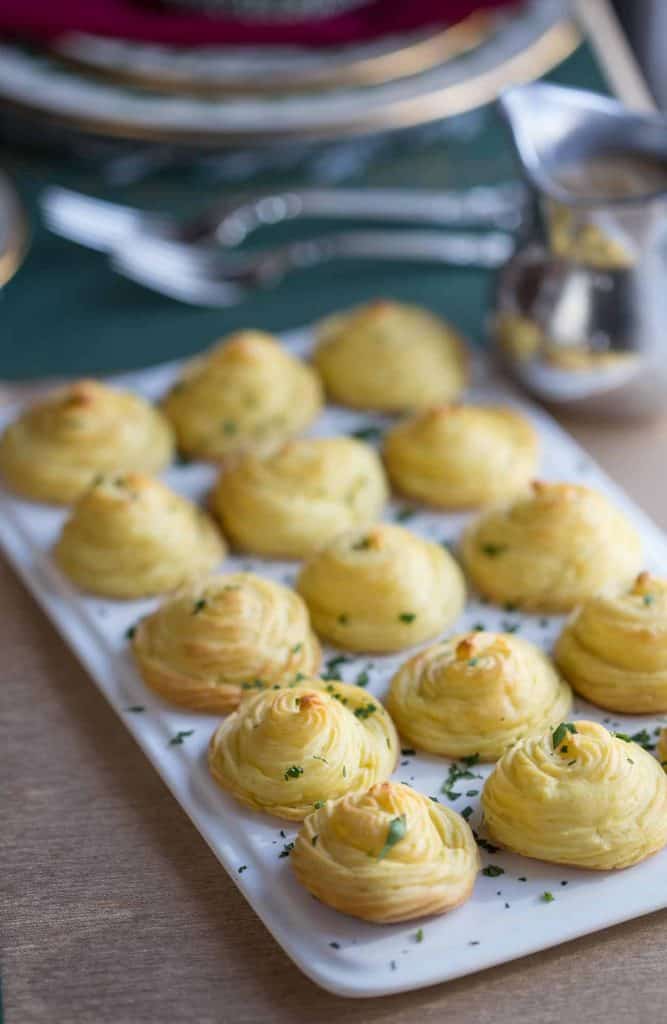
125 19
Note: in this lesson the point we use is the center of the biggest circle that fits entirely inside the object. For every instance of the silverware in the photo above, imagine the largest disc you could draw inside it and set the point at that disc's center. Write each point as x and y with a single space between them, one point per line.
581 306
205 276
102 225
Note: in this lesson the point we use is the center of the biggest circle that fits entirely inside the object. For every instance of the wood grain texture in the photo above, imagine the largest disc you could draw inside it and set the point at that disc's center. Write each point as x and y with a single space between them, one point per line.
114 911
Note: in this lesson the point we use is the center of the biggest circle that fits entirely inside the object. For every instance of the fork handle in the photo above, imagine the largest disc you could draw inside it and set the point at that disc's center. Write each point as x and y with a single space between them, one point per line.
488 250
491 206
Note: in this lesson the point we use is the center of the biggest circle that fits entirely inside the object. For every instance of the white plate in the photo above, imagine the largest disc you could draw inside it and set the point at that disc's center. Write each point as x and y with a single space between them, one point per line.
349 957
523 47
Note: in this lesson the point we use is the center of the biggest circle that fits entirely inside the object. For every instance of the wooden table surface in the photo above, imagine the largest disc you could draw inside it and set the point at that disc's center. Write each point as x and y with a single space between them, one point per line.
116 912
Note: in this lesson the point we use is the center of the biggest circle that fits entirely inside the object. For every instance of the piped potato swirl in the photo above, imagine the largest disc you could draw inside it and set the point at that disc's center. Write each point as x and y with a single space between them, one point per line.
385 855
551 548
285 750
222 634
381 589
459 456
613 649
293 502
245 393
59 445
579 795
131 536
477 693
390 356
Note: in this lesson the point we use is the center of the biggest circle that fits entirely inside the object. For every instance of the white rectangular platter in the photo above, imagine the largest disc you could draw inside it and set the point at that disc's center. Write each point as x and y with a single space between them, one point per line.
507 916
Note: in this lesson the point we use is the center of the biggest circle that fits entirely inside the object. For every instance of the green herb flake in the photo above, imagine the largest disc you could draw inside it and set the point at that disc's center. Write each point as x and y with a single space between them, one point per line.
293 772
648 599
136 708
419 935
472 662
363 679
466 812
256 684
367 434
643 738
318 804
405 513
130 631
484 844
199 606
493 550
456 773
332 666
177 740
397 830
296 648
561 732
493 871
479 627
407 617
365 711
362 544
242 868
286 850
547 897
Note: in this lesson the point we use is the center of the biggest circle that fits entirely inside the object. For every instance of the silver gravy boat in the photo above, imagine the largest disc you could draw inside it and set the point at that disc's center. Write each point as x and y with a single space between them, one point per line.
580 314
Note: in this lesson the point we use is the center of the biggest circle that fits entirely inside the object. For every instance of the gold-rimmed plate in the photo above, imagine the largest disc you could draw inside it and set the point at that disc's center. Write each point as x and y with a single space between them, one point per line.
214 69
522 46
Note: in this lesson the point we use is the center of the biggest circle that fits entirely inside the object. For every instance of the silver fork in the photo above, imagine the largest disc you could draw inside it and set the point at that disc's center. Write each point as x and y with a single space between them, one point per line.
102 225
205 276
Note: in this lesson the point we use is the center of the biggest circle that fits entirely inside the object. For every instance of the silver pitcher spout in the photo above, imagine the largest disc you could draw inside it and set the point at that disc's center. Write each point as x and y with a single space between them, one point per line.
581 307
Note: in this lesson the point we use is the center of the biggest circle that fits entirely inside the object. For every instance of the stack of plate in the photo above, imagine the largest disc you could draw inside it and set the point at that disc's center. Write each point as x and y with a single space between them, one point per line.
217 96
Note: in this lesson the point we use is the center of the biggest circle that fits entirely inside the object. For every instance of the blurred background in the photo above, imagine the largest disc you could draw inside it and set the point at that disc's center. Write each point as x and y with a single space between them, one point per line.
182 105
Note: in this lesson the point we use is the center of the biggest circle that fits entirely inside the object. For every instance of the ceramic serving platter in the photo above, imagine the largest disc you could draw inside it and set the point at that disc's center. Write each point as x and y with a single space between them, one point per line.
508 915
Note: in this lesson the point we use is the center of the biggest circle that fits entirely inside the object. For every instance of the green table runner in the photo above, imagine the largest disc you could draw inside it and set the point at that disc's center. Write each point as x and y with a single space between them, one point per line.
66 312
